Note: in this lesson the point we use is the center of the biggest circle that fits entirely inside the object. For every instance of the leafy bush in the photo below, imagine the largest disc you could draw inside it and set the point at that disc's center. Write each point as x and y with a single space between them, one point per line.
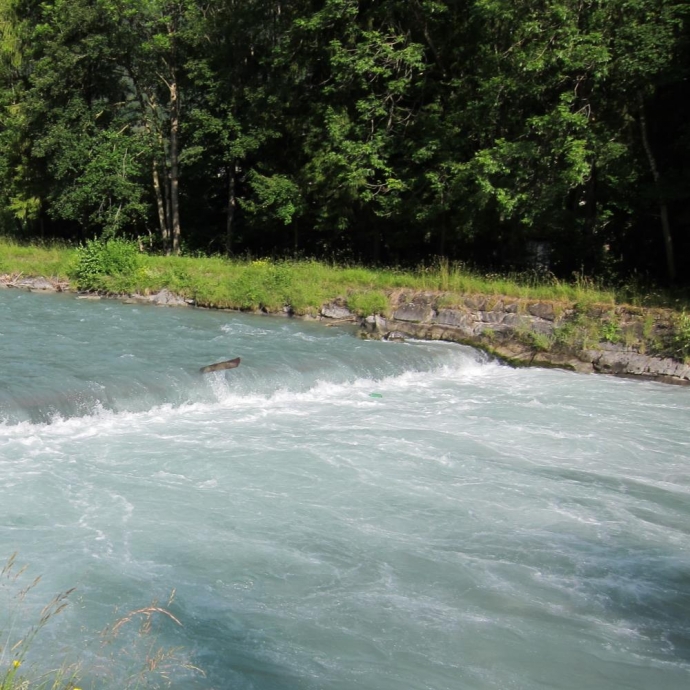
680 340
610 332
99 259
539 341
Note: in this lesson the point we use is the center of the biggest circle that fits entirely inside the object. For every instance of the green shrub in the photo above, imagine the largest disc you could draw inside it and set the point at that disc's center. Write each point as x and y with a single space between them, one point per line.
98 260
541 342
680 340
610 332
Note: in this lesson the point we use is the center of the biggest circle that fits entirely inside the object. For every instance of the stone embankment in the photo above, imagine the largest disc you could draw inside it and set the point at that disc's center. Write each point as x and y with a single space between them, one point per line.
532 333
598 339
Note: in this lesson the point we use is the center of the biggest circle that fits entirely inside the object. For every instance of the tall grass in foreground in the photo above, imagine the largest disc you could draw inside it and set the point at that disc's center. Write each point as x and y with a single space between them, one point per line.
16 639
303 285
123 654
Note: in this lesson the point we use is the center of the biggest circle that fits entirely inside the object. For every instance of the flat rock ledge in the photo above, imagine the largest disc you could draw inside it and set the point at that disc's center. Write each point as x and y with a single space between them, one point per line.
164 298
504 328
33 284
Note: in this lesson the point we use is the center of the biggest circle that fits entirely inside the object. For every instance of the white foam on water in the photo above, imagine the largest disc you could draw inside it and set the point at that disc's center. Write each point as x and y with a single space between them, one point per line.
475 526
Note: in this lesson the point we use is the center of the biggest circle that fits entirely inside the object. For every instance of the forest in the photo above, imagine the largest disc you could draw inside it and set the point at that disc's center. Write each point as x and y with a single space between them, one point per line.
541 134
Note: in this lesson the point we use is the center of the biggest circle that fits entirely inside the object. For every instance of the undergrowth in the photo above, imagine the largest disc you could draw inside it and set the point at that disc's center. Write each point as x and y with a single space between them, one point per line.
117 267
303 286
680 337
99 261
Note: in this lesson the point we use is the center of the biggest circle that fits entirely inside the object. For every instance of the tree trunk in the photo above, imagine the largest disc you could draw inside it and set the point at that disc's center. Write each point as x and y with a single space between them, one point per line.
591 202
160 205
147 100
232 205
663 207
174 168
593 246
168 207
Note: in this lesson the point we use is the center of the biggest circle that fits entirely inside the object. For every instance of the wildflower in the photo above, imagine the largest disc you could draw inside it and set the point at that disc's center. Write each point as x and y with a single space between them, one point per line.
16 663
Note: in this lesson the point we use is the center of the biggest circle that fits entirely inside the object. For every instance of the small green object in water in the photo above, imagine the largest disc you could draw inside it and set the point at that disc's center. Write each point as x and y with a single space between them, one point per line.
375 395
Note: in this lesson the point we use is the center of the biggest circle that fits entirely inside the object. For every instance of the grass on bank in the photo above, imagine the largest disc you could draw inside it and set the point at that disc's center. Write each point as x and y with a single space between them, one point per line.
307 284
304 285
117 267
35 260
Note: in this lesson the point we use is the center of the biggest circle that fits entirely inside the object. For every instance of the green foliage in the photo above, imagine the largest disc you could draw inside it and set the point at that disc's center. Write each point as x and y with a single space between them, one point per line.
580 331
10 42
586 328
389 131
610 332
25 209
98 260
368 303
101 175
260 284
680 339
648 326
541 342
274 195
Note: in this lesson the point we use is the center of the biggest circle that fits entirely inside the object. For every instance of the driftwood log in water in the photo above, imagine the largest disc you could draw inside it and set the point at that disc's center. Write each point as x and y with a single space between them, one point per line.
229 364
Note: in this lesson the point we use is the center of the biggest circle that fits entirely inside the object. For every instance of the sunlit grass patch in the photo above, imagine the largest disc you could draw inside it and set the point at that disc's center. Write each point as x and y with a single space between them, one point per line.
50 261
369 302
304 285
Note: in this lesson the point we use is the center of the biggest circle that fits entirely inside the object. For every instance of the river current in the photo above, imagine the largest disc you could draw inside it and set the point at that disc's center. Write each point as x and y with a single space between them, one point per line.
334 514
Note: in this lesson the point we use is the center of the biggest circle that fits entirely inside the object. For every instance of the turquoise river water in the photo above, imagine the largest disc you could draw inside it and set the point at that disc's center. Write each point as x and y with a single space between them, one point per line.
333 514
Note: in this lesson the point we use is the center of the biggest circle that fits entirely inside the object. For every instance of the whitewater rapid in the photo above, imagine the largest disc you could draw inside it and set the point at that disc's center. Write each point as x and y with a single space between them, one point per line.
337 513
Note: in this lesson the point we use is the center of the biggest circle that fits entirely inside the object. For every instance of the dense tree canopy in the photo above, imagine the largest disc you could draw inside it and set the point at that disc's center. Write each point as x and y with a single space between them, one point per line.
487 131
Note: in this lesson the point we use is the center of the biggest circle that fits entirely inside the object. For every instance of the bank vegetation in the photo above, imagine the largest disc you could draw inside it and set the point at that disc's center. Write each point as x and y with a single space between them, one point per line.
584 314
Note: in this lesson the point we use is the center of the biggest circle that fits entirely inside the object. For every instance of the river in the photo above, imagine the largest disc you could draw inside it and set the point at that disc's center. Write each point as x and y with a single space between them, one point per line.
333 514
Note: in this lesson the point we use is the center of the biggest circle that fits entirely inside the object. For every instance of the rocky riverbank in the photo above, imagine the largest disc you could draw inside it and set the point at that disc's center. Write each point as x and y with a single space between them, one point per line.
589 339
619 340
522 333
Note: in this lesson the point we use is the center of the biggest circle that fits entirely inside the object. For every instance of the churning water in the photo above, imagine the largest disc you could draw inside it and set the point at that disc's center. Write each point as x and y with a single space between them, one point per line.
336 514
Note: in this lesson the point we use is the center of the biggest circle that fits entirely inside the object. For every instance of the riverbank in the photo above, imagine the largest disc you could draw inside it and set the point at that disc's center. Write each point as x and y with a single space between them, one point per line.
585 336
620 340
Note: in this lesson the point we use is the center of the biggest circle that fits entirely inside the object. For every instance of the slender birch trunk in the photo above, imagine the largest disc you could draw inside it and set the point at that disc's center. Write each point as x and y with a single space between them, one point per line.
174 167
160 204
148 110
232 205
663 207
